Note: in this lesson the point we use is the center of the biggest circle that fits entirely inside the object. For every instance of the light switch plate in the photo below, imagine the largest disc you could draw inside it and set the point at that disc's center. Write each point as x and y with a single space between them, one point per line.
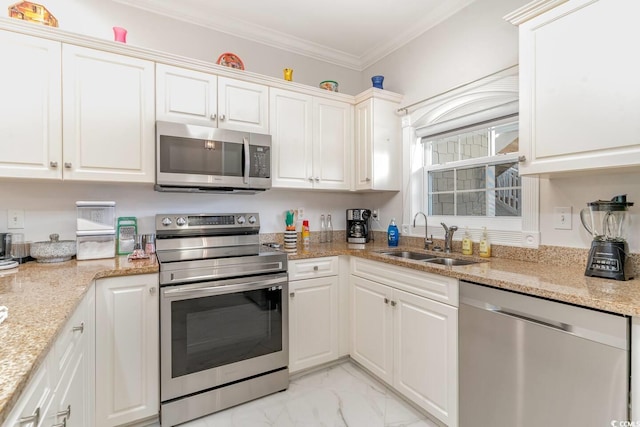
562 218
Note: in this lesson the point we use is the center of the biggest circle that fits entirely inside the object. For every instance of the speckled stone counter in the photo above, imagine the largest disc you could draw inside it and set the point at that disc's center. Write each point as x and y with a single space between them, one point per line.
40 299
566 283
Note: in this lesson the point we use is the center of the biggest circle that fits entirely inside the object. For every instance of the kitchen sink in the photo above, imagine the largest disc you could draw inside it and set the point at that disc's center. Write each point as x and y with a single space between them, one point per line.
451 261
418 256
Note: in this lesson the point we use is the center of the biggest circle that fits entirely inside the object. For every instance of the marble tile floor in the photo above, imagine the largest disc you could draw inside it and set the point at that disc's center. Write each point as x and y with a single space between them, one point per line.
342 395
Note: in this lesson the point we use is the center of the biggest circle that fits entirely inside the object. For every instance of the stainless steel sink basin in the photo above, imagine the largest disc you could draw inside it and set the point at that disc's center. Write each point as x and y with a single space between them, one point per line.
409 255
451 261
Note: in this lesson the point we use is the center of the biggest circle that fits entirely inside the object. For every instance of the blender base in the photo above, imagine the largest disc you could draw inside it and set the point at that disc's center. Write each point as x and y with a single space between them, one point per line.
609 260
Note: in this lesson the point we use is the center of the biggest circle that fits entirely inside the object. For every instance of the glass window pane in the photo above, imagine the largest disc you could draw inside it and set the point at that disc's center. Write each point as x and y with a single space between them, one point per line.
444 150
474 144
507 175
472 203
441 204
506 138
508 202
471 179
441 181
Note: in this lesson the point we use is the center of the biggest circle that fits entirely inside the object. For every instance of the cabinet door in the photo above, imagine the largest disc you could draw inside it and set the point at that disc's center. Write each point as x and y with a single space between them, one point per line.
71 399
426 354
313 322
35 401
127 331
108 116
30 107
371 327
580 92
332 144
292 143
186 96
363 142
243 106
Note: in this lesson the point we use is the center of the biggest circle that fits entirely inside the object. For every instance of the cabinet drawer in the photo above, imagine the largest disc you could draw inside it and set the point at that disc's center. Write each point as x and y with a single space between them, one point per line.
428 285
36 397
70 338
313 267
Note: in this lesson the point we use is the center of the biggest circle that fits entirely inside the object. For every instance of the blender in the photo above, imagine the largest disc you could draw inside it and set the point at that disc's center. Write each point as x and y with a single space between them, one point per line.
606 221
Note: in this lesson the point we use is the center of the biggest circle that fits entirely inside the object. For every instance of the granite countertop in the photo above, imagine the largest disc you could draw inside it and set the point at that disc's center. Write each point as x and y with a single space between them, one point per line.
40 298
561 283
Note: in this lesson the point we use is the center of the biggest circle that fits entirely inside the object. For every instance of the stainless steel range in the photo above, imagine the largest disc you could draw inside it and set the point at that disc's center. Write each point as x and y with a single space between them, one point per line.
223 314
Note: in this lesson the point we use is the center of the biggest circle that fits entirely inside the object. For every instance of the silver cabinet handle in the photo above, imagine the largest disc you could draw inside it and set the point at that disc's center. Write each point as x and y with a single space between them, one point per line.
214 116
386 300
315 268
292 294
367 179
152 290
62 424
522 159
35 418
67 165
393 303
53 164
78 328
222 117
310 178
317 179
66 413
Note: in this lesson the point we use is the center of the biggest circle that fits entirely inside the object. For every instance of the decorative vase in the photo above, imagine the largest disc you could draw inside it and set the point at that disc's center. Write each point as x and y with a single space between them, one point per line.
120 34
377 81
288 74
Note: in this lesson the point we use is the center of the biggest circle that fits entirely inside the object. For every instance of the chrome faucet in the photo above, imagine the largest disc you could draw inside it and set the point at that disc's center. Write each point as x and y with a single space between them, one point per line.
427 241
448 236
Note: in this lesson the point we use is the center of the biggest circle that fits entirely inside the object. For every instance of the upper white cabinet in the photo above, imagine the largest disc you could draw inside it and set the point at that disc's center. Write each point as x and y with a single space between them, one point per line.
188 96
30 107
108 116
580 92
378 142
312 141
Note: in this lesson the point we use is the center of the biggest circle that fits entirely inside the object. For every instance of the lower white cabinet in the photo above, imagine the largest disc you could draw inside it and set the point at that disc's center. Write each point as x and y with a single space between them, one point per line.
405 338
313 312
127 349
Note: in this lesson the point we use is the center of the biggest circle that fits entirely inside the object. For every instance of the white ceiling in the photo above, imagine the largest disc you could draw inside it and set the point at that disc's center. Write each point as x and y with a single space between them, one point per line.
350 33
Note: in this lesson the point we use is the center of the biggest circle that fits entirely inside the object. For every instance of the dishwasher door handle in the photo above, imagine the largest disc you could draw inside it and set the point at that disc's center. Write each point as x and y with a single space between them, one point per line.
527 317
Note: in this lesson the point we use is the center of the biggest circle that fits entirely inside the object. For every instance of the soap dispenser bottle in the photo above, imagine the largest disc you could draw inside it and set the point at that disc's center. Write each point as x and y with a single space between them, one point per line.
485 245
467 243
393 235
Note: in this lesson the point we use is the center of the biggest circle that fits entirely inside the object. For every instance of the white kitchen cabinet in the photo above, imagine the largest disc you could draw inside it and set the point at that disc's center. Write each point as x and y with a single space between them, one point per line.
30 107
312 141
62 385
378 141
579 86
402 333
313 312
127 359
188 96
108 116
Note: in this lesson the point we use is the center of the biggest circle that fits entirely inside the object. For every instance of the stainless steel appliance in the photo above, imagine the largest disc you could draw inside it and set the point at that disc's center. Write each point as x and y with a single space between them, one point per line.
606 221
191 158
358 225
223 314
529 362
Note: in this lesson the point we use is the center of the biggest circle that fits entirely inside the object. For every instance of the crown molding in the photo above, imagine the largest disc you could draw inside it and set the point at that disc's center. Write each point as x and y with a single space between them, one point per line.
280 40
531 10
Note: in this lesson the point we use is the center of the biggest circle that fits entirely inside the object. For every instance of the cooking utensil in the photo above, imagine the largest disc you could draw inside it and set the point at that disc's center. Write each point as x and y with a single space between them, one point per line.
54 250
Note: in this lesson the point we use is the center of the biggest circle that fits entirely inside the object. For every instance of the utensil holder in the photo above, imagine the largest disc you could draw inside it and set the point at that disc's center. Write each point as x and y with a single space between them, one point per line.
290 240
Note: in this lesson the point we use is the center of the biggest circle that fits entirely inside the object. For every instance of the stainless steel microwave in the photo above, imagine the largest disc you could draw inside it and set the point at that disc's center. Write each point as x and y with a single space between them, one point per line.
192 158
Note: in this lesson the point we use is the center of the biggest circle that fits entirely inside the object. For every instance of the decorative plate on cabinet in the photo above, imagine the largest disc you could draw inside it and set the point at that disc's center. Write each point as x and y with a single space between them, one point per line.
230 60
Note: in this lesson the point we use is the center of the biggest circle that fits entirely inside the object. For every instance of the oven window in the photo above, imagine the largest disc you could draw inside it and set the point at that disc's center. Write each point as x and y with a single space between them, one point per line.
200 157
213 331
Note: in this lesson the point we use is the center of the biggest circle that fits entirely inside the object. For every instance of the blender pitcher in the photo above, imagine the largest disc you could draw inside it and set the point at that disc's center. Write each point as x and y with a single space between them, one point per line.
606 220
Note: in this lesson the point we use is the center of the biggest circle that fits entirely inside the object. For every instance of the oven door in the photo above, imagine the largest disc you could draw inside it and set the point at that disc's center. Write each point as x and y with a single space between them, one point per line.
214 333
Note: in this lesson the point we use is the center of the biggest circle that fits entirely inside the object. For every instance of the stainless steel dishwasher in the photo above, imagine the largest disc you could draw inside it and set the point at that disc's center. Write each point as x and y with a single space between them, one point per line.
529 362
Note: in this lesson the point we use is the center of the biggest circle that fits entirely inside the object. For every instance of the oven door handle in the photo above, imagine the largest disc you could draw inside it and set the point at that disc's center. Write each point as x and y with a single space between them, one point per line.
224 289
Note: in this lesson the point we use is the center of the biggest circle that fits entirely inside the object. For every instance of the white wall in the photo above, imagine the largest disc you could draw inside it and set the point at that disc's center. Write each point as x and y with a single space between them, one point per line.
50 207
97 17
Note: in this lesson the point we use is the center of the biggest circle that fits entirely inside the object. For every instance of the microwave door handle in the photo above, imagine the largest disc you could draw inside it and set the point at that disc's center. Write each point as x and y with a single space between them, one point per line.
247 159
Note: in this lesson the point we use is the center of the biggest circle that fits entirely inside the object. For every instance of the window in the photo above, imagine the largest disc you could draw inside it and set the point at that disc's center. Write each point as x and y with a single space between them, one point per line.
474 171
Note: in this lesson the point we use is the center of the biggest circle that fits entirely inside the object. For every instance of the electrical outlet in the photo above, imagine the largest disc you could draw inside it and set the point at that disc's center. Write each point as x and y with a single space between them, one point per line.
300 214
15 218
562 218
375 214
405 228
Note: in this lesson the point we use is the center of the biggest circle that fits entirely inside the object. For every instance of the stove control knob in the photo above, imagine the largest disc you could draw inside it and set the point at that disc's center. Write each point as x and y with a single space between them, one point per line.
166 221
181 221
240 220
252 219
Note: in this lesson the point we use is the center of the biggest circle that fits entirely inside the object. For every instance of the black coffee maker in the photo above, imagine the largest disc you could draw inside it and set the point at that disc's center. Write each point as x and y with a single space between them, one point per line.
358 227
